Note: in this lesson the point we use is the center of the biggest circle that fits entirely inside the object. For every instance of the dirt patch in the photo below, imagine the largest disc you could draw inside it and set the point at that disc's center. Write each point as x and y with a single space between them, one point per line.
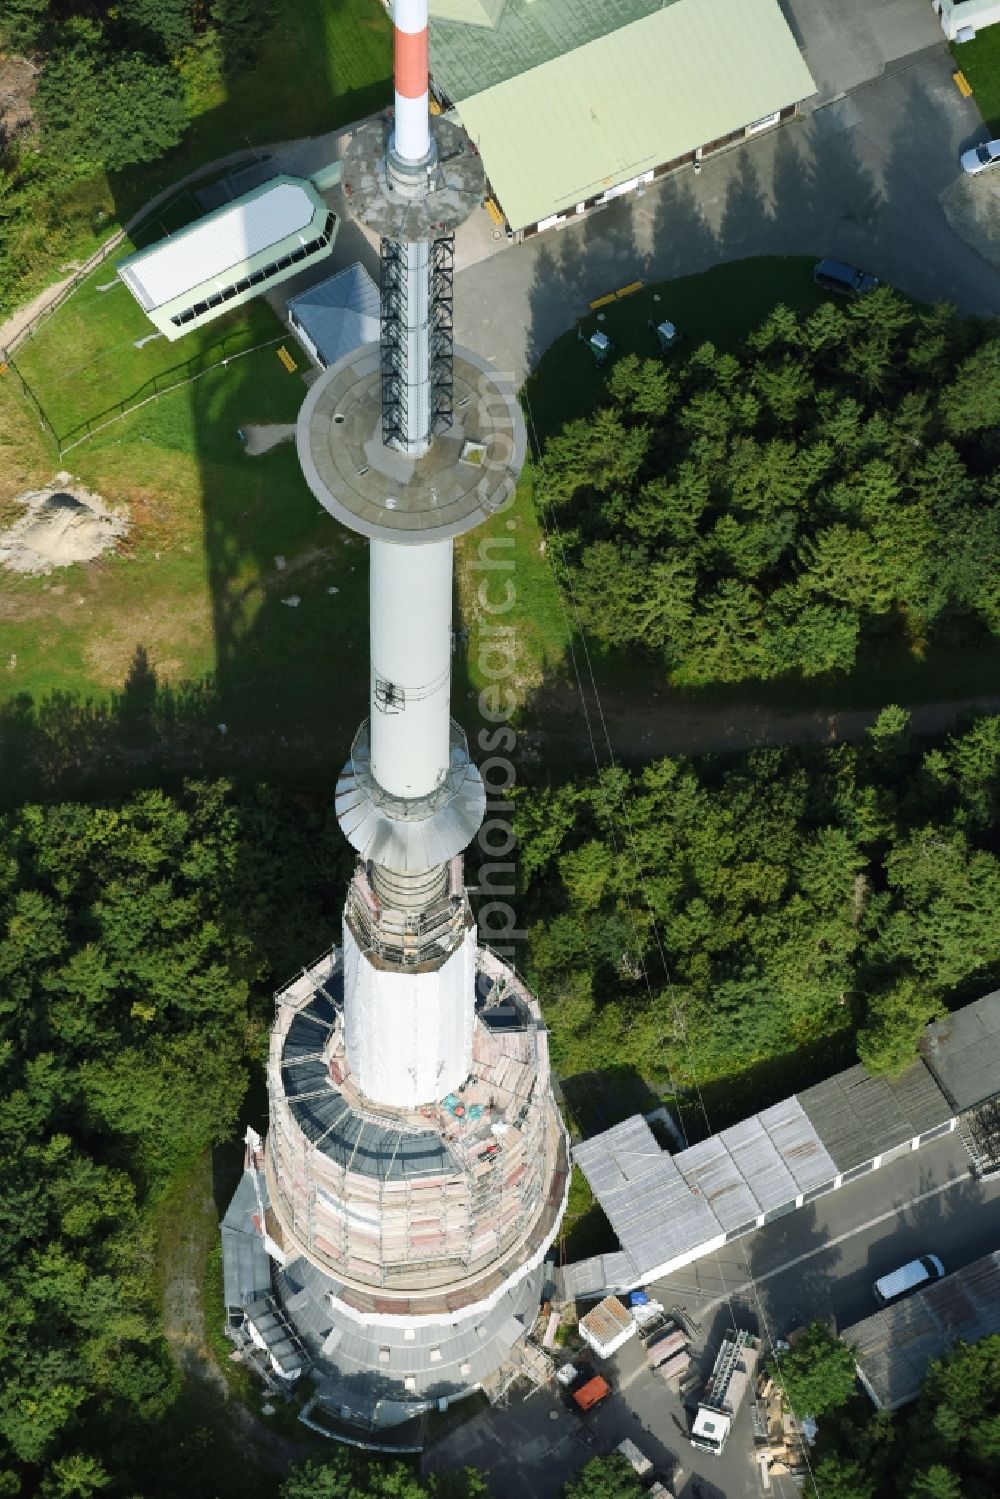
189 1229
183 1314
18 81
61 524
262 437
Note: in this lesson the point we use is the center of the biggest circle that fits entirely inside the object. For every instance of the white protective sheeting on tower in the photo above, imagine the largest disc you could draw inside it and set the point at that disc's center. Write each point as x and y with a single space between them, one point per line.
409 1035
411 666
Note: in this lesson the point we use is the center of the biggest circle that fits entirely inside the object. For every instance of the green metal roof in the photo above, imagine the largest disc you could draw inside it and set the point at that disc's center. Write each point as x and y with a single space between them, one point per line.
618 106
470 12
476 44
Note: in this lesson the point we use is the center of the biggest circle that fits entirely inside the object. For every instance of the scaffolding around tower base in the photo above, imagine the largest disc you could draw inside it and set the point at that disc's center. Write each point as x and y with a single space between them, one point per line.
422 1210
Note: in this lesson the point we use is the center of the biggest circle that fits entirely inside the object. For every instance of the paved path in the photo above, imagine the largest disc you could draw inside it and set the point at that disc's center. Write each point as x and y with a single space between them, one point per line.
261 438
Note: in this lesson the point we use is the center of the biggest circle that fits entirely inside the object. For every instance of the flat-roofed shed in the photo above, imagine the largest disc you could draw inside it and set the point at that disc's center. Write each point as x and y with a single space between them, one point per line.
894 1347
230 255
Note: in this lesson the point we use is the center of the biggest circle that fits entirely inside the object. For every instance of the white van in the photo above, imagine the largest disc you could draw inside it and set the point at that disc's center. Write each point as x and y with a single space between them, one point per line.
907 1278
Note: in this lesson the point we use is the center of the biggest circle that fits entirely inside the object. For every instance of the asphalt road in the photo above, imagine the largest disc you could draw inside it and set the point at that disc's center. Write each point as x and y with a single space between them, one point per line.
870 177
817 1262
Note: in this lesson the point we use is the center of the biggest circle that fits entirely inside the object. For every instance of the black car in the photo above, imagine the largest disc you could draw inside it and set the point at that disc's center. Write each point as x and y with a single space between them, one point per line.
838 276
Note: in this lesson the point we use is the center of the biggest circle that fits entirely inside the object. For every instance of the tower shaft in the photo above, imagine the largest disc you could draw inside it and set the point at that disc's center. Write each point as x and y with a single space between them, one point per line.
411 69
416 1166
410 617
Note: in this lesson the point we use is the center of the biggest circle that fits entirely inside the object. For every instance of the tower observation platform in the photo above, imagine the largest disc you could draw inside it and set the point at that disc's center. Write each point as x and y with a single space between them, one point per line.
388 1239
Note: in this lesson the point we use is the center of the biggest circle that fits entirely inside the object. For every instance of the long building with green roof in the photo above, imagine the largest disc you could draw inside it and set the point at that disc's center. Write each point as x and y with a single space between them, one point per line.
571 102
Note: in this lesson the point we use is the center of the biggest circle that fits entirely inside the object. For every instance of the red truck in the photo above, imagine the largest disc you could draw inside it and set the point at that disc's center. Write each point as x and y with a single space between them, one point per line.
591 1393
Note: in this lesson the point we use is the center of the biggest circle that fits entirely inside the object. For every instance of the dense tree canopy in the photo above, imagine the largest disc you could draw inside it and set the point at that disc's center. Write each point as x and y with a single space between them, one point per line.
129 939
609 1477
348 1475
945 1446
818 1374
695 919
116 86
107 107
771 513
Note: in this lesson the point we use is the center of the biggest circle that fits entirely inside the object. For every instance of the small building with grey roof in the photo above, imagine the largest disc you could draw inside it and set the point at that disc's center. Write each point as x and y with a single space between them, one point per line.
573 102
337 315
894 1347
670 1209
963 1052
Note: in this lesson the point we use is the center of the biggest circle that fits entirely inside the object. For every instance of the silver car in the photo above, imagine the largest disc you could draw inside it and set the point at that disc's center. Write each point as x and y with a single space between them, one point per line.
980 157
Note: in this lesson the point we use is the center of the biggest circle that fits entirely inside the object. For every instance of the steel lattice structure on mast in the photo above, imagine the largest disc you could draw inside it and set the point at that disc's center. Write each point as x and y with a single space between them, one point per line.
416 1168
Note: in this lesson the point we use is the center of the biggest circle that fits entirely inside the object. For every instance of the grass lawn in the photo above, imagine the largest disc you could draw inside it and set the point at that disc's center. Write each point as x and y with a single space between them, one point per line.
83 362
199 598
979 60
537 618
198 595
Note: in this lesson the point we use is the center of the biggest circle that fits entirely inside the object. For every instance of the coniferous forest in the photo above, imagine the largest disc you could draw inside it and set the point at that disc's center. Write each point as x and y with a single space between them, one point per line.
780 510
698 919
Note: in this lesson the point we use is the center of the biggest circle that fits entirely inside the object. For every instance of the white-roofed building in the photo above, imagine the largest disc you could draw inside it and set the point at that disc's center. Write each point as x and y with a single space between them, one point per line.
230 255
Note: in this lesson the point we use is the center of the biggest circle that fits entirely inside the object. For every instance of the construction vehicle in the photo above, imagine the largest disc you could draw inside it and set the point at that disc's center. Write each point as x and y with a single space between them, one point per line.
731 1375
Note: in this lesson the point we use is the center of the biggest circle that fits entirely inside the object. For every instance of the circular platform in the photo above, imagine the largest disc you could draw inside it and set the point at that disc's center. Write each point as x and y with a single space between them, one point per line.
453 185
470 471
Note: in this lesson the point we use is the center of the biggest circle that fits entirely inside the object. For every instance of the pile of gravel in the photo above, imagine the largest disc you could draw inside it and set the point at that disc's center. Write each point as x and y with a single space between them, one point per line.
62 524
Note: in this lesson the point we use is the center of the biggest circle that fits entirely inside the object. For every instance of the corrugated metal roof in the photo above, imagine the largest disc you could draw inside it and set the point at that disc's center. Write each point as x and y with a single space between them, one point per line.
859 1117
595 1276
476 44
963 1052
655 1213
340 314
668 1210
895 1346
220 241
605 112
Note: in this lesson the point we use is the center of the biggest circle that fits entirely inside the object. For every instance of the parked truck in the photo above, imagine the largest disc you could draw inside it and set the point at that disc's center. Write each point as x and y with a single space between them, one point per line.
590 1392
725 1388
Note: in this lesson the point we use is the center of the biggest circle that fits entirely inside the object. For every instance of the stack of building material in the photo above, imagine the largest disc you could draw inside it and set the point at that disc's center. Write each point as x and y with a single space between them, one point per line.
666 1343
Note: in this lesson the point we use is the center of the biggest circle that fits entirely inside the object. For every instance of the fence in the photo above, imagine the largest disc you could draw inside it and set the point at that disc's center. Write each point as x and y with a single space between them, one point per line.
131 403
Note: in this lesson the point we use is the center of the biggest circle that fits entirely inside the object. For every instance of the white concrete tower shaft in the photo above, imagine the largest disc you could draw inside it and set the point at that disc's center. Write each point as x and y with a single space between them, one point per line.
387 456
410 608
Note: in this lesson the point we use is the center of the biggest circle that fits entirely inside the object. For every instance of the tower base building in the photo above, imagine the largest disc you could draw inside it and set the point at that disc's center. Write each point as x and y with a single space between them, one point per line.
395 1255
